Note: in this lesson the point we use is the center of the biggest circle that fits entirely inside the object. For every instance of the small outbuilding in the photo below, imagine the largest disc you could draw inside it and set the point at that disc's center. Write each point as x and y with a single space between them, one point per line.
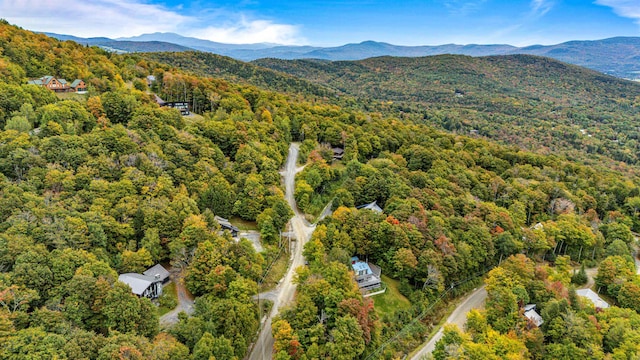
338 153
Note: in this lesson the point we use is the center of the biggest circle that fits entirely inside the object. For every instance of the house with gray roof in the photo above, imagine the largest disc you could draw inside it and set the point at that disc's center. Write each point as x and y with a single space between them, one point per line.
533 316
142 285
371 206
60 85
597 301
159 272
149 283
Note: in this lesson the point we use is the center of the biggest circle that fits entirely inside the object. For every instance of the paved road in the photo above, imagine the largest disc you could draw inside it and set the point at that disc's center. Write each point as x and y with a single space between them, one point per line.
185 303
263 348
458 317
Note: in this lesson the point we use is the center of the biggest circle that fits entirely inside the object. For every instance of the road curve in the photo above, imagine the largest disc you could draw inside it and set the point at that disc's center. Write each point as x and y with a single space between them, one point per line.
263 348
458 317
185 303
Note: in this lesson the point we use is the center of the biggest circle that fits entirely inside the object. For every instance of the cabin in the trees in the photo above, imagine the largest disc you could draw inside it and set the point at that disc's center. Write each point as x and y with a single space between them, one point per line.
338 153
60 85
533 316
597 301
180 105
371 206
149 283
367 275
226 225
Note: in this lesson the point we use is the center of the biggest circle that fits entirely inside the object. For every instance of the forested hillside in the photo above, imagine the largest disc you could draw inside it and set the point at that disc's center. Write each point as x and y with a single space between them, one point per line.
206 64
535 103
108 182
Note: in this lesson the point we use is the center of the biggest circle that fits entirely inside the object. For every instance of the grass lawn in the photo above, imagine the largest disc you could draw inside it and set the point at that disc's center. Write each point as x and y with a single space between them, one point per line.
391 300
276 273
243 224
169 291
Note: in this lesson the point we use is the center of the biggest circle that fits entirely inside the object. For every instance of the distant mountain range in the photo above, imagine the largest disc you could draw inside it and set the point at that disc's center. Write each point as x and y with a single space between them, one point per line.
619 56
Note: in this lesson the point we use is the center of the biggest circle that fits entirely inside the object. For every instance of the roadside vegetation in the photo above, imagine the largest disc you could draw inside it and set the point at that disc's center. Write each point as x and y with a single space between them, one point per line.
112 183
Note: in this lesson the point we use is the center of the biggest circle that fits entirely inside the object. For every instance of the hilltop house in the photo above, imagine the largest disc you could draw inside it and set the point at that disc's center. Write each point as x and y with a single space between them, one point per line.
367 275
148 284
60 85
372 206
182 106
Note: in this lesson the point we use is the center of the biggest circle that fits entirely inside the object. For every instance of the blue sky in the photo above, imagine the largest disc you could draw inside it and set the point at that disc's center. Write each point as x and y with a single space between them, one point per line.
336 22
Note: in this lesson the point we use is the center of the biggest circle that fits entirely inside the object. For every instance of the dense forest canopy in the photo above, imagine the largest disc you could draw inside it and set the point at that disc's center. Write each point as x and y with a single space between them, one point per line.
100 184
536 103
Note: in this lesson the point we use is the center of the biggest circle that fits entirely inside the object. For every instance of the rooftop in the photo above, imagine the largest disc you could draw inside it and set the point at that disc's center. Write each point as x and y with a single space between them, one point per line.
531 314
360 266
597 301
157 270
371 206
138 282
226 224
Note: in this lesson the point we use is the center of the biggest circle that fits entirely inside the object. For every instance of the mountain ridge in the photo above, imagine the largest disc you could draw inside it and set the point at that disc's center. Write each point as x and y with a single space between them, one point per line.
617 56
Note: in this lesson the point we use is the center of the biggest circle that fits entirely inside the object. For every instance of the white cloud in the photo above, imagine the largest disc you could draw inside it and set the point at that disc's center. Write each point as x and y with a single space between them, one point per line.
123 18
625 8
541 7
250 31
463 7
113 18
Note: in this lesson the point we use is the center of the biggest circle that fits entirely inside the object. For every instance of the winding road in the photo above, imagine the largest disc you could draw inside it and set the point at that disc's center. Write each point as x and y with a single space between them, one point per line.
284 293
458 317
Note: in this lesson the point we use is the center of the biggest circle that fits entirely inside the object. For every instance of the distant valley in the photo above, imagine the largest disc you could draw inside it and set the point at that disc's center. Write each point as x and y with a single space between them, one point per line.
619 56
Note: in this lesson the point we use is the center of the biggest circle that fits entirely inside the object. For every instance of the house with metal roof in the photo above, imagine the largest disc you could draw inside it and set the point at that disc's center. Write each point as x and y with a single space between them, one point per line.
149 283
533 316
597 301
142 285
371 206
367 275
158 272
